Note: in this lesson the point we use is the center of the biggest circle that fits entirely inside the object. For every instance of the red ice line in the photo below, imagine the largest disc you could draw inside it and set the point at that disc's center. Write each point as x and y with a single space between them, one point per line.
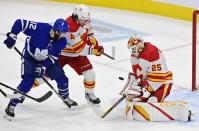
109 65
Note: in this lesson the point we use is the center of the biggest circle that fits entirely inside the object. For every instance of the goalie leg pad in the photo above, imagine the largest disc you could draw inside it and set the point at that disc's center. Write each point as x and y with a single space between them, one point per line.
164 111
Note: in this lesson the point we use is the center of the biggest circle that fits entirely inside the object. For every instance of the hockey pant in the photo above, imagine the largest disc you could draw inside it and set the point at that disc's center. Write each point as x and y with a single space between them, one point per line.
82 66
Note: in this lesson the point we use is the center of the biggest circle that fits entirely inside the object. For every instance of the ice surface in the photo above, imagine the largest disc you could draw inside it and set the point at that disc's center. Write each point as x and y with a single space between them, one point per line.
113 28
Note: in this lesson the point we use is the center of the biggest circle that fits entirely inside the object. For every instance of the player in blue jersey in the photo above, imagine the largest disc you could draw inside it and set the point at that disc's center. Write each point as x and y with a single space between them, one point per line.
42 49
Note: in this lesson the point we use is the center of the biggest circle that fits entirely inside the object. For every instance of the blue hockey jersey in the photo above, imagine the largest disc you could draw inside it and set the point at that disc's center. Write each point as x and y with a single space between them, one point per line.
39 45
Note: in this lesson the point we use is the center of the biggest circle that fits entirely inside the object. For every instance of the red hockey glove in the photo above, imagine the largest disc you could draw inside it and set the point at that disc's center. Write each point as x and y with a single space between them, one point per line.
96 50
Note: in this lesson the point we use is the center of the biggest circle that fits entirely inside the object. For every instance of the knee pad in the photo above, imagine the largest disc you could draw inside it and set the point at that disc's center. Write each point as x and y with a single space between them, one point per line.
26 83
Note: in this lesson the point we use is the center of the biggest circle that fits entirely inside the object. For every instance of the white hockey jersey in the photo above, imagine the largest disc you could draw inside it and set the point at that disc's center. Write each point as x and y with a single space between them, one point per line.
77 39
151 66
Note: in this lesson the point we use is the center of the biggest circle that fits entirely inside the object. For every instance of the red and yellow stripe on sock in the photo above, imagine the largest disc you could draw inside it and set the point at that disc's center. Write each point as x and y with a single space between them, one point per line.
88 84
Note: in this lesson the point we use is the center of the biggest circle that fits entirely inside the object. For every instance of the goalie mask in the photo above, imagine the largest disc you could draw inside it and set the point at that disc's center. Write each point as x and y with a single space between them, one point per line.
81 14
136 45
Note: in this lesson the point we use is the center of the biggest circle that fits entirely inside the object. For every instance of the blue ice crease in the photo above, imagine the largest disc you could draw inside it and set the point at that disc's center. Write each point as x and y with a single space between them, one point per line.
105 31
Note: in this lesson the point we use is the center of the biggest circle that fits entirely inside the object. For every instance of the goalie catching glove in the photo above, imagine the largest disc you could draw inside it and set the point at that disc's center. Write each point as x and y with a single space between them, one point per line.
96 50
139 92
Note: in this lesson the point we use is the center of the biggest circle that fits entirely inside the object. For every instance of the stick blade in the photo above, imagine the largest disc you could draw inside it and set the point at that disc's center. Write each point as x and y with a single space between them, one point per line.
44 97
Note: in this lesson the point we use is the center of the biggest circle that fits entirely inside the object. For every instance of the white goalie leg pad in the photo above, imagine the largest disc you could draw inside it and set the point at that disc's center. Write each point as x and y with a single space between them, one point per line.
164 111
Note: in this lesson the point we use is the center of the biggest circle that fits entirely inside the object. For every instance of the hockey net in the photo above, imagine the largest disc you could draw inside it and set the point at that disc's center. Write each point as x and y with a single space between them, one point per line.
195 52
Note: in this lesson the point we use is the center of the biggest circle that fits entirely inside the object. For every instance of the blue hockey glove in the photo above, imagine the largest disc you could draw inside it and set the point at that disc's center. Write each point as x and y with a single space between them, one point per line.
40 70
11 40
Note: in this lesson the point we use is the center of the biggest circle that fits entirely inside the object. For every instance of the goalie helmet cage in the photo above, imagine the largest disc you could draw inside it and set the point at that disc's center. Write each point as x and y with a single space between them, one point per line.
194 50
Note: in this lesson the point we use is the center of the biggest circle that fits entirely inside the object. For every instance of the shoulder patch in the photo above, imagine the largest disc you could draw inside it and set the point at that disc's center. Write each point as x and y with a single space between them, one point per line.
150 52
73 25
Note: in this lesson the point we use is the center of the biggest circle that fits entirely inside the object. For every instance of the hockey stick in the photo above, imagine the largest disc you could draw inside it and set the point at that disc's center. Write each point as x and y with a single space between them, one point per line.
41 77
44 79
113 54
3 93
108 56
43 98
103 114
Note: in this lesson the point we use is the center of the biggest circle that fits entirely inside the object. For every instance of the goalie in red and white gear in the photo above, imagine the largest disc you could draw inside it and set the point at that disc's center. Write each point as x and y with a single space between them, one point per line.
81 42
149 84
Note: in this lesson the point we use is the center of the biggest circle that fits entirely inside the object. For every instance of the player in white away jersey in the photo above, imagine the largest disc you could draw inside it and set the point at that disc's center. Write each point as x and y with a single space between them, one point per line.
149 84
81 42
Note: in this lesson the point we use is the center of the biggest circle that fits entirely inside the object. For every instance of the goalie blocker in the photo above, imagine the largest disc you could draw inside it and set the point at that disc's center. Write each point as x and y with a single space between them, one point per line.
162 111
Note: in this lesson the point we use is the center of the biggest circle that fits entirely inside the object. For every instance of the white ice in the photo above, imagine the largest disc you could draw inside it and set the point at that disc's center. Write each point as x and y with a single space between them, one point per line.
113 28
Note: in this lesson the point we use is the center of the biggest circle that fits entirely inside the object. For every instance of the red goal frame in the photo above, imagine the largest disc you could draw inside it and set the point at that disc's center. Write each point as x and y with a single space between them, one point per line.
194 42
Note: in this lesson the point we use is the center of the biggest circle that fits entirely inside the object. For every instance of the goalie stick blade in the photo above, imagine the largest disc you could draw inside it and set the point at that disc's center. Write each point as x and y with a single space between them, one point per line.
44 97
97 111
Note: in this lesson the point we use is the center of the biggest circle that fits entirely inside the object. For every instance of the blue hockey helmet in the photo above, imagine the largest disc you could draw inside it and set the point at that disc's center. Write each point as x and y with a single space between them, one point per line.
61 25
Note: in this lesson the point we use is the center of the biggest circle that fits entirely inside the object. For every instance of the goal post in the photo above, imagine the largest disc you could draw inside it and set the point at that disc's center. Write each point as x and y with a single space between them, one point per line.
194 49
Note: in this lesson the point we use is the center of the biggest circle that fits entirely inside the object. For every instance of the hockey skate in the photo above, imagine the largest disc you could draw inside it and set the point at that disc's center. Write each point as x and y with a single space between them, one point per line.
22 99
91 98
9 113
70 103
192 116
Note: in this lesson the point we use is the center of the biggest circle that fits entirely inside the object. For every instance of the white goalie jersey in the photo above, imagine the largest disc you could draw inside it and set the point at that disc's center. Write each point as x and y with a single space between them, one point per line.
151 66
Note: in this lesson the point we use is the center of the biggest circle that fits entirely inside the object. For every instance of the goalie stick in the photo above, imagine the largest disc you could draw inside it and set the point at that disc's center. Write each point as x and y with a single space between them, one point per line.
43 98
103 114
129 81
113 106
